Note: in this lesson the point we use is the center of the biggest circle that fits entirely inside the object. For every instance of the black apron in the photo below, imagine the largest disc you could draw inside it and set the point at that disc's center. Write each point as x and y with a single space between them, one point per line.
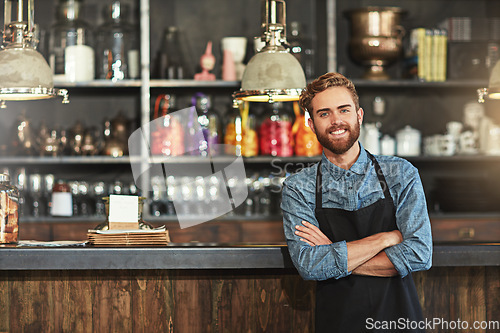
344 305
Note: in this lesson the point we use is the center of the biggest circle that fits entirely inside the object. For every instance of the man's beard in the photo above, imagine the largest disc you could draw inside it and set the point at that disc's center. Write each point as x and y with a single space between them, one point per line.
339 146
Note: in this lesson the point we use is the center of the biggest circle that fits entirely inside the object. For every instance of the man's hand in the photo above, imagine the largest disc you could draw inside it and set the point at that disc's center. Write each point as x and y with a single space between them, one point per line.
311 234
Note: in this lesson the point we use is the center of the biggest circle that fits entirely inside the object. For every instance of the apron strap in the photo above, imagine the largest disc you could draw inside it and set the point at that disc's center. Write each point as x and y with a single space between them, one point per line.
380 175
319 187
378 171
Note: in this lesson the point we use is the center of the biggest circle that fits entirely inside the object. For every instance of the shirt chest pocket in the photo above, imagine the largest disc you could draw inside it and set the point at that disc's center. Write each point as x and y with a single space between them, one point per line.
369 194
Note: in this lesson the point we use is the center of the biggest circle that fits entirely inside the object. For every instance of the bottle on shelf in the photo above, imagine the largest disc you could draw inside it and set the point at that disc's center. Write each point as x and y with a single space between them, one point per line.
209 123
172 58
98 193
117 45
62 199
21 182
37 199
48 184
71 42
301 47
157 204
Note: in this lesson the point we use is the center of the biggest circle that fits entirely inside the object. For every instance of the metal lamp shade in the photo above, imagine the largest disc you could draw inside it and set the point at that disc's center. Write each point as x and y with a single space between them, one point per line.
24 75
272 76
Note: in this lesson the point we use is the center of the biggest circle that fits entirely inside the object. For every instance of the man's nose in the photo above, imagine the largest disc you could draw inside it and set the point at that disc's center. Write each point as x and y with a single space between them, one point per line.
335 118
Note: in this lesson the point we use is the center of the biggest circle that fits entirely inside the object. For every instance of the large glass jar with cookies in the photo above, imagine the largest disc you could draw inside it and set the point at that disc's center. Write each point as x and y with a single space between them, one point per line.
9 205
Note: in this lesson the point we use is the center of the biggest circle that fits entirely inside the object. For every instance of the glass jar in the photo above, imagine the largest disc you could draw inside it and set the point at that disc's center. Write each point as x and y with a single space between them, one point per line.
167 132
240 135
117 45
275 132
71 53
9 205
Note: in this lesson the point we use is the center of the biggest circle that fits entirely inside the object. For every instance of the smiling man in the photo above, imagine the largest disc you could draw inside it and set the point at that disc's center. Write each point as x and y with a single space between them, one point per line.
356 223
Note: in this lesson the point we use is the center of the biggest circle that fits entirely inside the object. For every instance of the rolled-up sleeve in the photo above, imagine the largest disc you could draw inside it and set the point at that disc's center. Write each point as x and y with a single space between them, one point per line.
415 252
312 262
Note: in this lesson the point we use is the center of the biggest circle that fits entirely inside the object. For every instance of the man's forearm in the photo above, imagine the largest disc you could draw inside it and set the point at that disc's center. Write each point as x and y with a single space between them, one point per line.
362 250
380 265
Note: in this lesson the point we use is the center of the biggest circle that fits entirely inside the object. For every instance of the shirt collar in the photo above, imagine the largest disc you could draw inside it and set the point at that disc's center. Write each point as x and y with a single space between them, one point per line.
359 167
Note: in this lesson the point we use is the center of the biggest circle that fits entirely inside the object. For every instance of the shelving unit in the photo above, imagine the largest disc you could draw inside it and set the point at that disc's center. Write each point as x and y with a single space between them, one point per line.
429 102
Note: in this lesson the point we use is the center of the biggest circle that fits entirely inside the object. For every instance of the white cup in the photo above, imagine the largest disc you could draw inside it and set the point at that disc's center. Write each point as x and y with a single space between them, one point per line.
467 143
447 145
237 46
454 128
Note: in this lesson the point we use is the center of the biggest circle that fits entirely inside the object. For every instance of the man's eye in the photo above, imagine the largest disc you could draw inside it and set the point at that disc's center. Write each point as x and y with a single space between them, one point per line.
323 114
344 110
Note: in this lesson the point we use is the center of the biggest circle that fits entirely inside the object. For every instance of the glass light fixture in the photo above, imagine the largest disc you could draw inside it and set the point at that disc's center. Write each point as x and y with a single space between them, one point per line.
24 73
493 90
273 74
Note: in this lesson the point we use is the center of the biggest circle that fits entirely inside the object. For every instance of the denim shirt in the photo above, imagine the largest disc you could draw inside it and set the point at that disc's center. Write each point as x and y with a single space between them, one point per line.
351 190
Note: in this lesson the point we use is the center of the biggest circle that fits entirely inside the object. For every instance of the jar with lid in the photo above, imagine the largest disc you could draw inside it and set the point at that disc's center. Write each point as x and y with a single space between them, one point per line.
275 132
9 205
62 199
240 137
117 44
71 41
167 132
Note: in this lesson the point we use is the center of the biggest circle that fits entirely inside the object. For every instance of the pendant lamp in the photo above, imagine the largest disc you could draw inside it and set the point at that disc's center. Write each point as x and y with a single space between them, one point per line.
273 74
24 73
493 90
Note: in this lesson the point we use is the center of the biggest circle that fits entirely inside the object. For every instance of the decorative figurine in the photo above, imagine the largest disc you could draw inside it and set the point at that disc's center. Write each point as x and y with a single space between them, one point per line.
207 62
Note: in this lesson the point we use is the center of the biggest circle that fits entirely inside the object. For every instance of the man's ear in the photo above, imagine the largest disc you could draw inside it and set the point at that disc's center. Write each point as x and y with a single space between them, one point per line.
360 116
311 125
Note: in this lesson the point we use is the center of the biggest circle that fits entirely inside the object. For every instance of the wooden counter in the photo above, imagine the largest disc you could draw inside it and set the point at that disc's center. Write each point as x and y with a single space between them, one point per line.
207 289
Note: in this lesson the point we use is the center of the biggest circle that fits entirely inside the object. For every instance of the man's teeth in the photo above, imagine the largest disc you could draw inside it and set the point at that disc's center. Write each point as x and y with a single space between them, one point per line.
339 131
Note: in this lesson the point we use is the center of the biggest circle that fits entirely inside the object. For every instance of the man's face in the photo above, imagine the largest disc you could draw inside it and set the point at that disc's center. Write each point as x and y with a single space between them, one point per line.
335 120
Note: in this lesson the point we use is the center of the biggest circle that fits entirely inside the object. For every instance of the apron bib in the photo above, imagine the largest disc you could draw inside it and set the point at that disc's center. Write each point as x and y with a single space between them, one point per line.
345 305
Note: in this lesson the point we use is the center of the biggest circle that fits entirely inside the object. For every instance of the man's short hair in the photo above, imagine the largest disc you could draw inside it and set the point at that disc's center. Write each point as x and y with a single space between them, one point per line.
324 82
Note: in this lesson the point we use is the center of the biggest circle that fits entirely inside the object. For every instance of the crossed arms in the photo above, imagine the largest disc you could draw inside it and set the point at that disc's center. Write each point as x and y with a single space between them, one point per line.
364 256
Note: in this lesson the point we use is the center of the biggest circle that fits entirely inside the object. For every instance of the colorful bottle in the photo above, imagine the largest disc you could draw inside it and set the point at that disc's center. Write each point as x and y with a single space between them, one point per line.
209 123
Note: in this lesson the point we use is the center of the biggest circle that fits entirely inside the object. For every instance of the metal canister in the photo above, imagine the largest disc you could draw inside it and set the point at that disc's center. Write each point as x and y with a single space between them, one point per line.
9 207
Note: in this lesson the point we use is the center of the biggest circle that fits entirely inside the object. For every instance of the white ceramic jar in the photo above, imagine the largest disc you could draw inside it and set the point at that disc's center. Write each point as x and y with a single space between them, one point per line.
408 141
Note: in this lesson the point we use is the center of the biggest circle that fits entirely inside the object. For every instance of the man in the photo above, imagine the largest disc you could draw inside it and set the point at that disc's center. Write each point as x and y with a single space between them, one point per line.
356 223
